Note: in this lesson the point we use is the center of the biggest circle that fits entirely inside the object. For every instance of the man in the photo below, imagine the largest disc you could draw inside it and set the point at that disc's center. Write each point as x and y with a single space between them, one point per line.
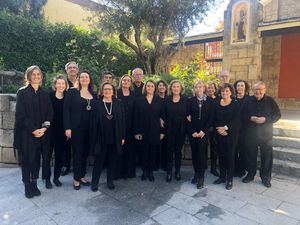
138 85
107 77
72 77
72 73
259 112
224 76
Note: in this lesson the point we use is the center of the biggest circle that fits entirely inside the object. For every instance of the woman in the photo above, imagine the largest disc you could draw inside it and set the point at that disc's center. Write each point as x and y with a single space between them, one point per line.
242 93
176 117
161 153
200 111
127 97
211 92
108 134
33 117
78 105
147 127
226 118
59 140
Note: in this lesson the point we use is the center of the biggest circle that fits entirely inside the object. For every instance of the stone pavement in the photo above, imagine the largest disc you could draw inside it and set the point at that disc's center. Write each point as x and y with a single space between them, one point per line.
137 202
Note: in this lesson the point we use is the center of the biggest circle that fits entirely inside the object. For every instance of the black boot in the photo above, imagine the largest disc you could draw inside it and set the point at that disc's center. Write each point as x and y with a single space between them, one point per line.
34 188
200 183
28 190
110 185
220 180
48 184
57 182
65 170
177 175
194 180
169 177
151 176
144 175
229 185
214 172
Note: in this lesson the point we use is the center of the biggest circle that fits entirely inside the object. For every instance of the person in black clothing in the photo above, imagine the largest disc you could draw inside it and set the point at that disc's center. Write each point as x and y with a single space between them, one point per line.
78 104
138 85
200 113
125 94
242 93
31 136
72 78
147 127
226 117
58 138
211 92
108 134
259 112
176 119
161 153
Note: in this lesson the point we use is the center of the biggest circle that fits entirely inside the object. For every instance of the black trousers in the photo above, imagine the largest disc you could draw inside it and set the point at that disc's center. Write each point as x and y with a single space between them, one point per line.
110 154
199 155
128 160
240 154
175 144
67 155
60 147
80 146
213 150
30 166
266 155
226 150
148 157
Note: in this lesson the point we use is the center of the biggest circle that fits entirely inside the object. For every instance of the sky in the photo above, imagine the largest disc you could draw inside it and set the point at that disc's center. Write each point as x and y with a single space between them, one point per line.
213 18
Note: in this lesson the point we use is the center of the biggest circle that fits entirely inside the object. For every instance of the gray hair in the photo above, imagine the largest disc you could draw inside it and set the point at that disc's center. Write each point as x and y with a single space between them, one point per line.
69 63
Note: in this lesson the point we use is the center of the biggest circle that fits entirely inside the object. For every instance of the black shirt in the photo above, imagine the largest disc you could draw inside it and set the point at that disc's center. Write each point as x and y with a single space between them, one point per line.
57 104
85 115
138 91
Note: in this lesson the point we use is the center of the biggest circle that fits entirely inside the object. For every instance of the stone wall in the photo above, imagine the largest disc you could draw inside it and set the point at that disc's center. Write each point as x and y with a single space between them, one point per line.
7 118
289 9
243 60
270 10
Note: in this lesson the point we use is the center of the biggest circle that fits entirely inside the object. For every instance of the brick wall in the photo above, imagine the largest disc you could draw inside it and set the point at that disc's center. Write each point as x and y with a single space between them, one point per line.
289 9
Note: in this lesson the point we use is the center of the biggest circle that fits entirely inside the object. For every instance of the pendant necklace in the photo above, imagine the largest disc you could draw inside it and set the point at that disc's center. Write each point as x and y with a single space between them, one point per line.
109 112
88 107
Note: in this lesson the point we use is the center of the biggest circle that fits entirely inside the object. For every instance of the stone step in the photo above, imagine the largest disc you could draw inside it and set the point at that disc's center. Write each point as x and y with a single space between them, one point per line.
287 128
285 167
285 132
287 154
287 142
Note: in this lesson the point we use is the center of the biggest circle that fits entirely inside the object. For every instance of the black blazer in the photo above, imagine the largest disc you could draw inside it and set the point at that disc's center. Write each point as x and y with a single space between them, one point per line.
97 130
26 119
207 113
72 108
169 110
147 119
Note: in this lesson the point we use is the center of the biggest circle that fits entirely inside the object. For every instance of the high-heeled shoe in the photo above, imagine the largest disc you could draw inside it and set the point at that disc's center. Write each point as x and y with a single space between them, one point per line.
76 187
85 182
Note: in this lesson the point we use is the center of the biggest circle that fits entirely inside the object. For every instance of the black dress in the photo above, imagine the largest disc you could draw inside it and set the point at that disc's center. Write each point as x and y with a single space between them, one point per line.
108 131
58 138
176 123
78 118
147 123
32 109
128 160
201 112
226 116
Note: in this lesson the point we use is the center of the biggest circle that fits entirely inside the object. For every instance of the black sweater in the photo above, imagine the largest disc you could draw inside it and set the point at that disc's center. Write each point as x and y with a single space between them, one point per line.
266 107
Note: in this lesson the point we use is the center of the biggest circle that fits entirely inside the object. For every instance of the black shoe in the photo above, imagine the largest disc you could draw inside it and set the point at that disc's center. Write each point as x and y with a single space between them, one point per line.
194 180
241 174
229 185
57 182
267 183
151 176
65 171
94 187
85 183
247 179
214 172
48 184
77 187
200 183
219 181
110 185
177 176
169 177
144 176
28 190
34 189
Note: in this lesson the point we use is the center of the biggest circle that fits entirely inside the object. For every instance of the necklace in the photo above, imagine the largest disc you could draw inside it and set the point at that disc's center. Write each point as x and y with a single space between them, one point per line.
109 112
88 107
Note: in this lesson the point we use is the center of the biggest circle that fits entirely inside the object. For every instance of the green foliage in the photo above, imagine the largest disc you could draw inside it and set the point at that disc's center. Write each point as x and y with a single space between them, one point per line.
27 41
195 70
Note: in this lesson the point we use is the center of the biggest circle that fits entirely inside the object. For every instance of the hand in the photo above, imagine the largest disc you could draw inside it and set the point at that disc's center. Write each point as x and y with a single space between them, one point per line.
224 133
195 135
189 118
201 134
221 130
253 119
161 136
43 129
68 133
137 136
261 120
38 133
123 142
162 123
